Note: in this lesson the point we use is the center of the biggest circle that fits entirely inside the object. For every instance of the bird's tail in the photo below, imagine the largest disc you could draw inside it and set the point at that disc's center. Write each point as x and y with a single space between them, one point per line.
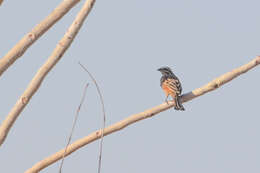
178 105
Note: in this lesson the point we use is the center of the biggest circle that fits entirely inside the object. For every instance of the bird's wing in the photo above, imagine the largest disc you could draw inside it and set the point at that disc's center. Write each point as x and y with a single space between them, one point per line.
175 85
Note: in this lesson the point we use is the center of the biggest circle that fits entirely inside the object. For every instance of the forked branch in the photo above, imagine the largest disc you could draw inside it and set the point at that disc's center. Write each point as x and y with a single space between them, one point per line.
216 83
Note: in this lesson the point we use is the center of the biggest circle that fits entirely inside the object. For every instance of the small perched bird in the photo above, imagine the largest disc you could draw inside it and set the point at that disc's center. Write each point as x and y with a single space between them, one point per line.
171 86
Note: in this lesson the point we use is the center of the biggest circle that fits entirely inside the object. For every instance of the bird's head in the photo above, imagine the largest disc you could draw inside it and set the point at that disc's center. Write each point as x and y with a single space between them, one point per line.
165 70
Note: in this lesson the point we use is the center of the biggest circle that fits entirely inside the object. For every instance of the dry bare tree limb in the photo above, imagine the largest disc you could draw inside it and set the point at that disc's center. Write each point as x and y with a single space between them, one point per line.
216 83
19 49
35 83
104 117
73 125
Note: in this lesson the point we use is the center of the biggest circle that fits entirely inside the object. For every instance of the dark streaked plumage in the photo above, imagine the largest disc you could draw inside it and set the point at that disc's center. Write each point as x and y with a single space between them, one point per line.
171 86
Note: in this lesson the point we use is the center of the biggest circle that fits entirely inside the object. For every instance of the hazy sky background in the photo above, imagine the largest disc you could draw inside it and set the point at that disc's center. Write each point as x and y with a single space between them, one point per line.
123 43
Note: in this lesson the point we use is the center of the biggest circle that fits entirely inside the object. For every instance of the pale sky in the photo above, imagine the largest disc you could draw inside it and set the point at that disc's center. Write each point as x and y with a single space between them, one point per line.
123 43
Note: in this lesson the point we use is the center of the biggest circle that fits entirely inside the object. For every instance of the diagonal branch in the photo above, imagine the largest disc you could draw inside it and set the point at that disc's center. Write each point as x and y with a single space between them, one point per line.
19 49
221 80
35 83
216 83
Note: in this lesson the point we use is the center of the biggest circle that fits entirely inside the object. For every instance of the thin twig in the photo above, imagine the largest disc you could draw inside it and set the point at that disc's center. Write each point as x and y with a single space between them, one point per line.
104 117
216 83
74 124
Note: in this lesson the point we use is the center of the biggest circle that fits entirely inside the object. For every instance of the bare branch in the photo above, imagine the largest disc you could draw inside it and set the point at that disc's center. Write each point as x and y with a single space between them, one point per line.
104 117
218 82
143 115
74 124
19 49
35 83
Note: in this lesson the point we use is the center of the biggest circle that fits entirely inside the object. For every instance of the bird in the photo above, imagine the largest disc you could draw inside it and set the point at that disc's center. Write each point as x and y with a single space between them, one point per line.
171 86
